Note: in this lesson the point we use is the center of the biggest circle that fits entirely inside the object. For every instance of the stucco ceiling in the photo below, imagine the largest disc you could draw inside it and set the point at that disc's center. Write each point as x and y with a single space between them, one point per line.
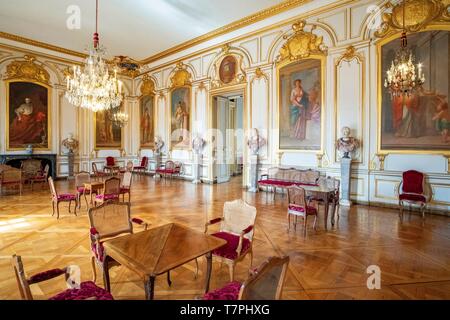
135 28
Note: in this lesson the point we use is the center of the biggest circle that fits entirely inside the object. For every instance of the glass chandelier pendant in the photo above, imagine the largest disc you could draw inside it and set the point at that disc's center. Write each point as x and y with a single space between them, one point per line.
401 78
94 87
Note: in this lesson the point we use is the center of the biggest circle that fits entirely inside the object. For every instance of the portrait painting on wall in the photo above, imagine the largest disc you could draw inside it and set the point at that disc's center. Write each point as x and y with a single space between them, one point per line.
300 105
28 116
108 135
227 69
420 121
147 131
180 117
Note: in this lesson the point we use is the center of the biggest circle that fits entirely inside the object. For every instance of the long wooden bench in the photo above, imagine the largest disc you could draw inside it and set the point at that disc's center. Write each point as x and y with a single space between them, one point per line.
286 177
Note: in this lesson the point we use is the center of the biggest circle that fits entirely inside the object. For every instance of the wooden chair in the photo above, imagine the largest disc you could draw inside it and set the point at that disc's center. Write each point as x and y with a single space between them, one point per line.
111 191
86 291
125 188
80 179
265 283
411 190
11 177
30 168
41 177
97 173
128 168
329 182
237 228
58 198
142 167
297 206
107 221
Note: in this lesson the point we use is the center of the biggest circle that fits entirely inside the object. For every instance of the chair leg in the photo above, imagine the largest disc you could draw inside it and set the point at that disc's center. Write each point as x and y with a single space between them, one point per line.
94 272
70 202
422 210
289 221
305 220
57 210
76 205
196 269
53 208
231 271
315 222
169 282
400 203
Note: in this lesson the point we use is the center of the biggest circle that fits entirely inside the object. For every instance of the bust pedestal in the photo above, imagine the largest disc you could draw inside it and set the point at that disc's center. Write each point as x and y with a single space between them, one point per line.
196 169
253 173
346 167
70 160
157 161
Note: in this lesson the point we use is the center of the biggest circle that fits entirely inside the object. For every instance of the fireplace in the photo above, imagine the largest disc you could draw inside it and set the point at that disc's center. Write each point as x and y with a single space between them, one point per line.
15 160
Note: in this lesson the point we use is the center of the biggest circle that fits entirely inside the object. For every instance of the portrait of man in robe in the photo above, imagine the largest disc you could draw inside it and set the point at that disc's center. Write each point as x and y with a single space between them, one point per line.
147 128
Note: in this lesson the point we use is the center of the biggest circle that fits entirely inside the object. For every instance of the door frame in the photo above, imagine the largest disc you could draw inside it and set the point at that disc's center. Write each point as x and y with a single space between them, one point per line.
239 89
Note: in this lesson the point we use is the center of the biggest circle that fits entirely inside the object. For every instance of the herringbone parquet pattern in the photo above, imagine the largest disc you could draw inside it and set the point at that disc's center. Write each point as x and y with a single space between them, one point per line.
414 256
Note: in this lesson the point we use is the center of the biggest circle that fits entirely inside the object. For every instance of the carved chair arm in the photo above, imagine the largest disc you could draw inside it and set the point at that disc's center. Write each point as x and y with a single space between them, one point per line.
241 239
140 222
399 188
211 222
47 275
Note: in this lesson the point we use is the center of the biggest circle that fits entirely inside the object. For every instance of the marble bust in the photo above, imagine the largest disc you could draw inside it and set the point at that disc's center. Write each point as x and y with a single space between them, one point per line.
159 144
255 141
70 143
197 144
346 144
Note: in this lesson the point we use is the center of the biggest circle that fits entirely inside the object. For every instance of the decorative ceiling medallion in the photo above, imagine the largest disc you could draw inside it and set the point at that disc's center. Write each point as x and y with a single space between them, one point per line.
418 15
301 44
27 70
181 77
127 66
148 86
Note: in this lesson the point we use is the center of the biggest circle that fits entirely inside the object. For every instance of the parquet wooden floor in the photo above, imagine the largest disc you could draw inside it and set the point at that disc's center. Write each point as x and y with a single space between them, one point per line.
414 256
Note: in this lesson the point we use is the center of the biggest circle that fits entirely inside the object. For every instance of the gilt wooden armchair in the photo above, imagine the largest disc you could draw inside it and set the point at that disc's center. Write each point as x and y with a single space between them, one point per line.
30 168
111 191
142 167
41 177
298 207
86 291
412 190
11 177
237 228
81 179
107 221
125 187
98 173
264 283
58 198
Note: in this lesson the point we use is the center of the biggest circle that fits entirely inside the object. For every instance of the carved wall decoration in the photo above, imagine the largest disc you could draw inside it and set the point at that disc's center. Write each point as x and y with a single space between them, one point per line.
148 86
228 68
181 77
127 66
27 70
418 15
301 44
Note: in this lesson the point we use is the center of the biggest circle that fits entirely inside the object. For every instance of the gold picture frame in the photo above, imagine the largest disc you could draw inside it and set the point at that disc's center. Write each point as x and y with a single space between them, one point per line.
152 121
113 147
186 145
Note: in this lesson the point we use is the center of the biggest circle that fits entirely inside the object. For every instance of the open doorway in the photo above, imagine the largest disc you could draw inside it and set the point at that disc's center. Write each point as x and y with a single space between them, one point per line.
228 149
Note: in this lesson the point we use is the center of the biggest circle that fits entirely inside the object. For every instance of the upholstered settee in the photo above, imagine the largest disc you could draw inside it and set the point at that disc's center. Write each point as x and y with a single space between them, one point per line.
286 177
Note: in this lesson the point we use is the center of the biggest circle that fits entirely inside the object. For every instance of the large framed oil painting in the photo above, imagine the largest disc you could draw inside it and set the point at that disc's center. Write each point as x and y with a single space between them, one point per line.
300 113
147 128
419 122
28 115
227 69
180 107
108 135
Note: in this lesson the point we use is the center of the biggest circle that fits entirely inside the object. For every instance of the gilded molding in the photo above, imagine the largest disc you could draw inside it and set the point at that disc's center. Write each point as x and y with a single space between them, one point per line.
147 86
240 76
27 70
447 156
418 15
381 158
301 44
181 77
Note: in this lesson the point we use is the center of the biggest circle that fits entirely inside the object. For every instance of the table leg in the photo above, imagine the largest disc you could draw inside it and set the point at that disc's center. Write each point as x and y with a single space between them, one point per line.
106 281
326 202
150 288
208 270
333 211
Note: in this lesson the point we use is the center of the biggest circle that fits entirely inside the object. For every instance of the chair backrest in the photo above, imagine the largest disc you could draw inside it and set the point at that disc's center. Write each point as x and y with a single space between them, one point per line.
31 166
329 182
130 166
413 182
177 166
169 164
112 186
267 283
237 216
110 161
81 178
52 187
297 196
46 170
22 282
272 172
111 219
144 162
94 168
126 181
11 175
310 176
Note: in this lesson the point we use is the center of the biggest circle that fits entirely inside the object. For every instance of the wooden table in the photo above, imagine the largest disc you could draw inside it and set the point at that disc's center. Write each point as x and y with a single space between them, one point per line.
326 194
112 169
158 250
93 186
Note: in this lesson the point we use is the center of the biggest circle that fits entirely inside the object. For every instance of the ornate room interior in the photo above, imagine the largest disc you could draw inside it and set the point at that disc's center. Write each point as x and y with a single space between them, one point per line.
225 150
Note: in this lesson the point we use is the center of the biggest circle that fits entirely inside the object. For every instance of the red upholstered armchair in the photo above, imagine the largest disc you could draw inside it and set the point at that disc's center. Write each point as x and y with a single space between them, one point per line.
110 161
412 191
87 290
97 173
298 207
237 228
170 169
111 191
265 283
142 167
58 198
41 177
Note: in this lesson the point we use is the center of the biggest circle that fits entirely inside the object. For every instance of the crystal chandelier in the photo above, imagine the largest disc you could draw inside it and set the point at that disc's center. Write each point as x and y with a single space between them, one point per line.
94 87
401 78
119 118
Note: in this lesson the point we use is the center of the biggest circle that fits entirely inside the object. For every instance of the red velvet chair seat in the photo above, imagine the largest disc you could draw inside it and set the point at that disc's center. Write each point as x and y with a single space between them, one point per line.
83 190
124 190
412 197
309 210
67 197
229 250
228 292
106 197
87 290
